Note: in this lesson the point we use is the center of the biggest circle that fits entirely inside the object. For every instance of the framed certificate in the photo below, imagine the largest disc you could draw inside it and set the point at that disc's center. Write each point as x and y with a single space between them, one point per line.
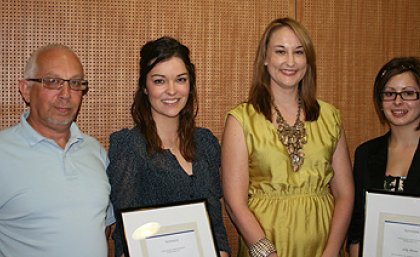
392 225
169 231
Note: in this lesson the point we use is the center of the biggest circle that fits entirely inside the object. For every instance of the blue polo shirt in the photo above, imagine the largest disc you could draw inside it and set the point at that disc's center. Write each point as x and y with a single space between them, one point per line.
53 201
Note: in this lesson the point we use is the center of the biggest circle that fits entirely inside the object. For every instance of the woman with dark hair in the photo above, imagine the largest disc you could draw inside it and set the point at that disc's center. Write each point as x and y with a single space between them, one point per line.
288 188
165 159
390 162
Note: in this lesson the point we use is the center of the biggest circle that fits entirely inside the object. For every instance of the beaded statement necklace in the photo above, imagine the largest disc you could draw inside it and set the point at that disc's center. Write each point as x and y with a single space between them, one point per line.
292 137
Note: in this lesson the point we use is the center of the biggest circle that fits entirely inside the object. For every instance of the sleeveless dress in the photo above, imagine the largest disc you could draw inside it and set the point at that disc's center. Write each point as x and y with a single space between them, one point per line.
293 208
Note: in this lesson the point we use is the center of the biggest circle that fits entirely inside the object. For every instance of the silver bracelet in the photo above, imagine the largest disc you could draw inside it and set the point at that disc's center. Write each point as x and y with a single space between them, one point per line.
262 248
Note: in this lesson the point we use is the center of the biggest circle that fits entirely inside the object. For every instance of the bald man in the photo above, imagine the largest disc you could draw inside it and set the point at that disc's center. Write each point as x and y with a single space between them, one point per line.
54 191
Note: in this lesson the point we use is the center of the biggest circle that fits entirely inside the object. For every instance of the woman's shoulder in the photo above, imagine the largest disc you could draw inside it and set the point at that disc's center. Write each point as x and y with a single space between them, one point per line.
373 144
204 135
125 137
329 113
326 107
243 107
245 113
207 143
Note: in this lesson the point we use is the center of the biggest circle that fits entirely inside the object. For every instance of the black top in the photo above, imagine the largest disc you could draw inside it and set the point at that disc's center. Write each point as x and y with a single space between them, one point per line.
140 180
369 170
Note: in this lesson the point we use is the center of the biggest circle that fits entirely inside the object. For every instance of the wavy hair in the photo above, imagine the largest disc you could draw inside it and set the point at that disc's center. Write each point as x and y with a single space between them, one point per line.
152 53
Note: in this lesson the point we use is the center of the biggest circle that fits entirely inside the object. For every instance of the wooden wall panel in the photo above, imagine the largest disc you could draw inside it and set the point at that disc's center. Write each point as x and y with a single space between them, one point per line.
353 39
107 35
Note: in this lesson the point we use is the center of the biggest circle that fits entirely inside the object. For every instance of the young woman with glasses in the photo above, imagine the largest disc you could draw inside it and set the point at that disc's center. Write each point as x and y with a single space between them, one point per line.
390 162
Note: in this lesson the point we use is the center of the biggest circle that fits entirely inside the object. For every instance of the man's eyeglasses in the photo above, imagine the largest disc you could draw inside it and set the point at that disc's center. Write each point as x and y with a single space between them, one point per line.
388 96
56 83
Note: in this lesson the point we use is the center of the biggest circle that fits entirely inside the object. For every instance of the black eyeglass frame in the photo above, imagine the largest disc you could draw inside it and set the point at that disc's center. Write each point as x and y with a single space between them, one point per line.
395 94
84 84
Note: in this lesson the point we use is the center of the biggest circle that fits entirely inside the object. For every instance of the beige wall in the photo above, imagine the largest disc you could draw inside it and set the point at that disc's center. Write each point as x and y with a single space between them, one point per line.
353 39
222 36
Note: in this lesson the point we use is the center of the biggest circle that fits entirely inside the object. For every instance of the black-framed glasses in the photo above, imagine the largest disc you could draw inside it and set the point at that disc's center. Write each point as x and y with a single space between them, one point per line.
388 96
57 83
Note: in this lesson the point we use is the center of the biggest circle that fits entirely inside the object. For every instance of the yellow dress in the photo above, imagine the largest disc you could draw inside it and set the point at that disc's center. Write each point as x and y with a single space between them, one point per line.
293 208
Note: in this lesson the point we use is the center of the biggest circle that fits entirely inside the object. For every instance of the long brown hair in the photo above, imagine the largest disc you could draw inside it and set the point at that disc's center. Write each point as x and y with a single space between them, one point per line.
152 53
260 95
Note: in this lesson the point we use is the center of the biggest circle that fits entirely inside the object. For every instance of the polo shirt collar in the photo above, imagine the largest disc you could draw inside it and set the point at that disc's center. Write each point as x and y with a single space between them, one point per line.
33 137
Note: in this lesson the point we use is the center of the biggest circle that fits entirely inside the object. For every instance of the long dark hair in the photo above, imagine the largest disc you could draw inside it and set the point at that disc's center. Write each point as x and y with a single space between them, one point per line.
152 53
260 95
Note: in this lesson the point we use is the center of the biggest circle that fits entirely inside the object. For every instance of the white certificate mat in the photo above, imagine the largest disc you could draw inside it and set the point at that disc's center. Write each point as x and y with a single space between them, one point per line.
179 243
174 231
392 226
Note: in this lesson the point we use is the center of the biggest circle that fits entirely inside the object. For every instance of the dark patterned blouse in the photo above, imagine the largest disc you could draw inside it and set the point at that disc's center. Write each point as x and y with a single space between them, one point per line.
140 180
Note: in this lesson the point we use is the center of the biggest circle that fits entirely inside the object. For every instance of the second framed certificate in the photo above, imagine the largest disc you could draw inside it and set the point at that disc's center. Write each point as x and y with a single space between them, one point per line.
392 225
172 231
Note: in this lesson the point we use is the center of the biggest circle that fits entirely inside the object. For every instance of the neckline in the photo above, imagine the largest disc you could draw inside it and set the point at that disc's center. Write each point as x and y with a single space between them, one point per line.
173 156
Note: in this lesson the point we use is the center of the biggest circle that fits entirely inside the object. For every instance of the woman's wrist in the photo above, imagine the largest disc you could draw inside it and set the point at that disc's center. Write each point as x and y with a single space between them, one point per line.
262 248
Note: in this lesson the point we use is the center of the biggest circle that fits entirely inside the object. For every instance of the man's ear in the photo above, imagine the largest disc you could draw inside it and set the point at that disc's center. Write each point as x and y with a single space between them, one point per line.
25 90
